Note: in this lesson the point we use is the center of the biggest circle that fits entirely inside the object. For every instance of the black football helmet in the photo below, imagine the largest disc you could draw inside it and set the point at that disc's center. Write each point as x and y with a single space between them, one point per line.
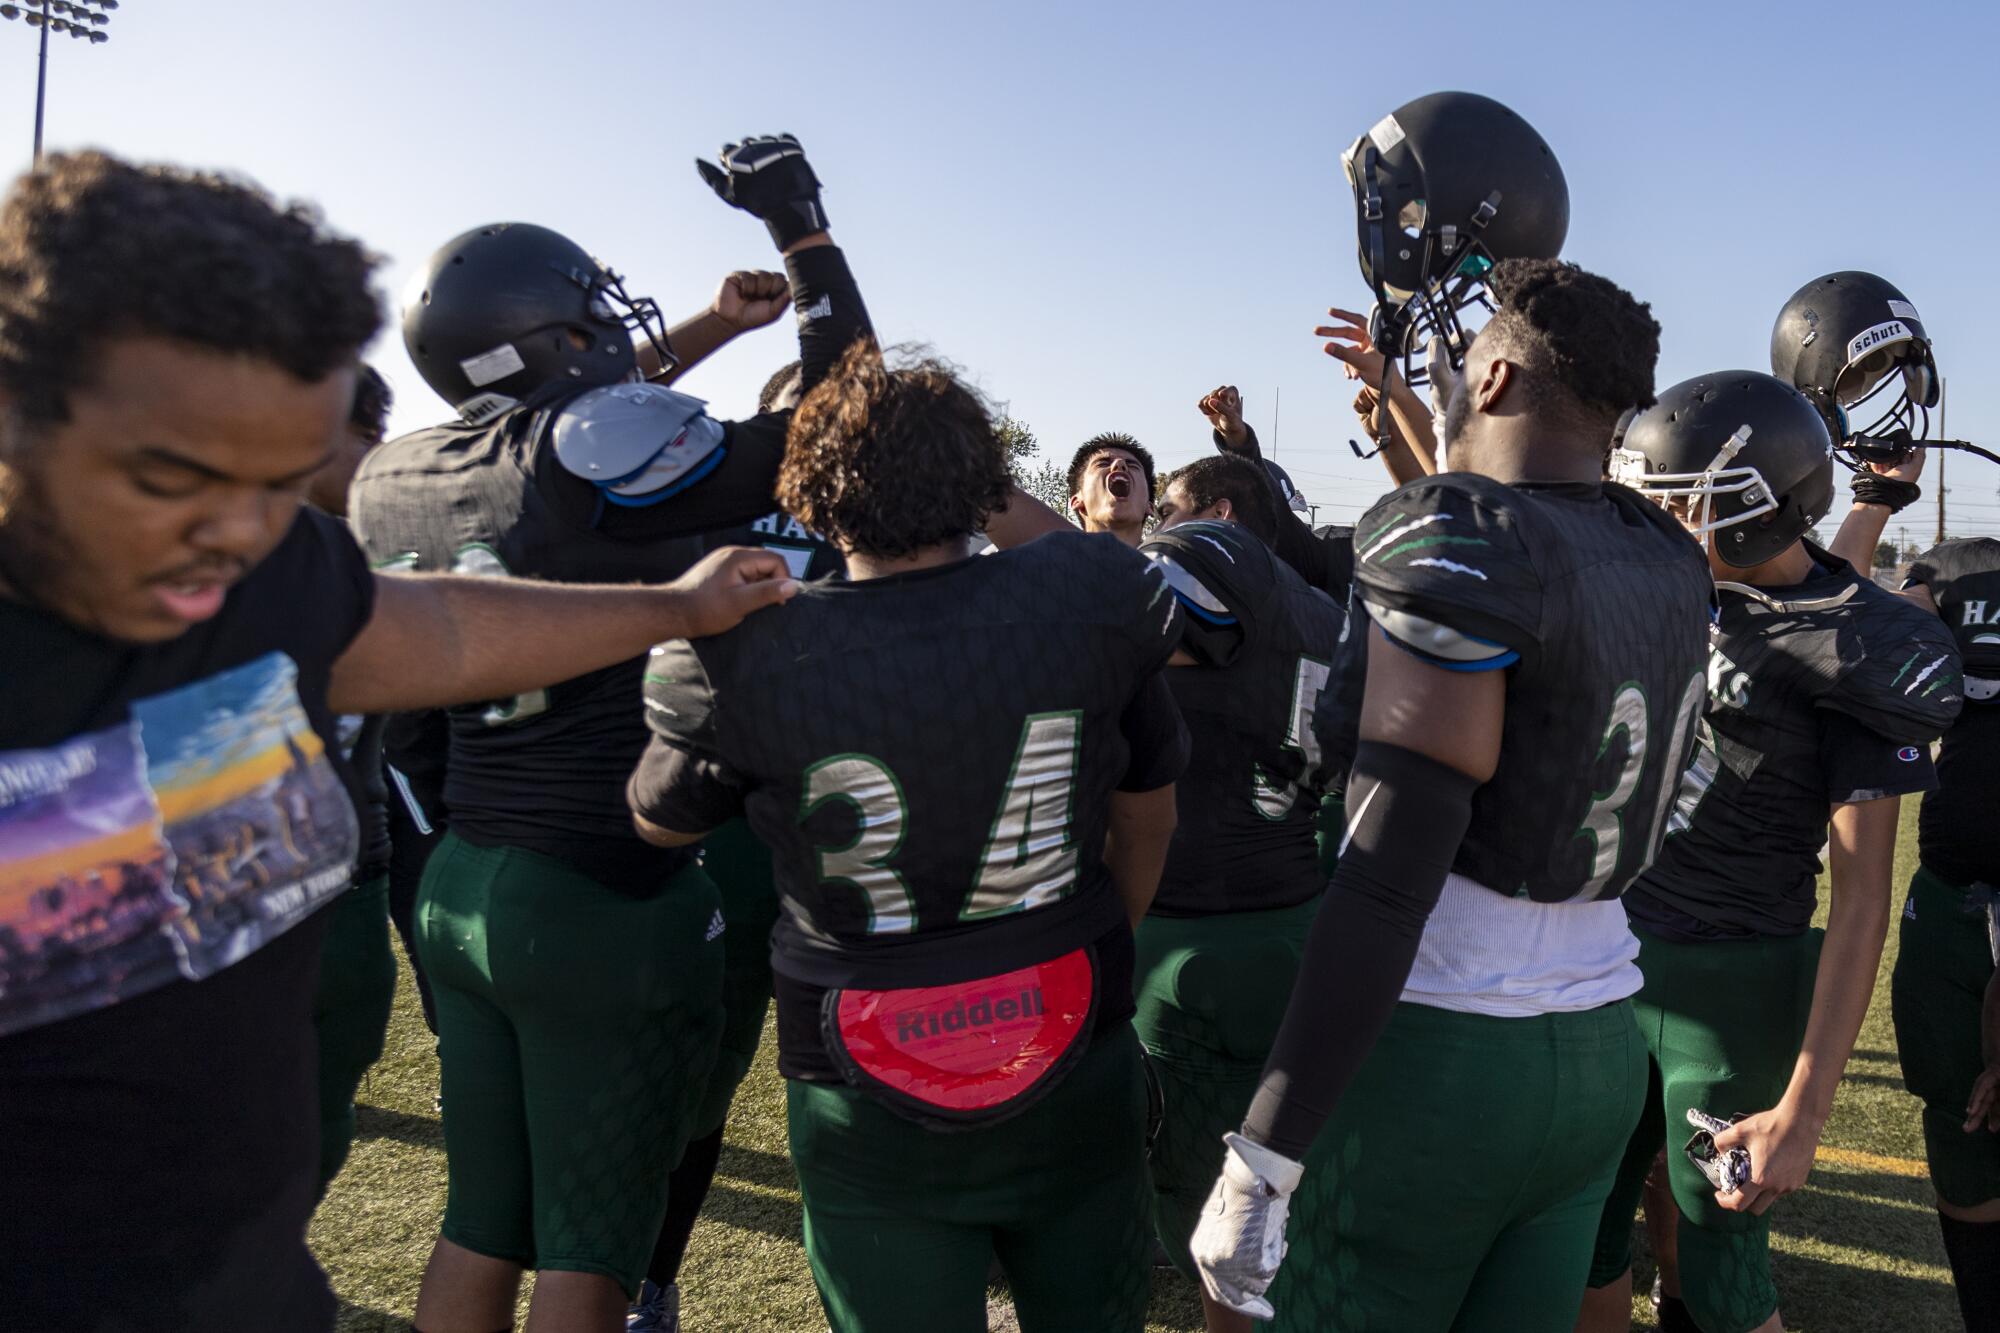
1846 339
1444 188
504 310
1748 456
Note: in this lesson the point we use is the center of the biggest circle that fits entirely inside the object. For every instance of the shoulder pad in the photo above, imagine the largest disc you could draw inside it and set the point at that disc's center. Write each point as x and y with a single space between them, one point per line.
1222 575
637 443
1450 550
1901 678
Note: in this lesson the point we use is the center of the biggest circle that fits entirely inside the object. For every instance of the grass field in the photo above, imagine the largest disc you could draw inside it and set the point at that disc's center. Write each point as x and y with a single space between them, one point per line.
1857 1250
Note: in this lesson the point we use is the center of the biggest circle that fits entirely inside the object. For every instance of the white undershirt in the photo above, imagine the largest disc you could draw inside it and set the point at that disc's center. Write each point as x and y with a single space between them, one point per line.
1486 953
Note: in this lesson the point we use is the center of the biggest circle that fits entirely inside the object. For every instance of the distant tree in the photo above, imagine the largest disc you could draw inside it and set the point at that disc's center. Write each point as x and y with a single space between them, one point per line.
1885 554
1036 475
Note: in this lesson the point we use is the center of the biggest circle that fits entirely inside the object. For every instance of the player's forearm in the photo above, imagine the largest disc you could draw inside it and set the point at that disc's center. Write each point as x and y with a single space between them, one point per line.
439 640
1136 838
831 314
1413 451
1861 857
1023 519
693 341
1860 533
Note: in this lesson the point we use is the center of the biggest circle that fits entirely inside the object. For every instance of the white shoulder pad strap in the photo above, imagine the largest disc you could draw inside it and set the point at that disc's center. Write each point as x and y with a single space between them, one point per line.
632 440
1427 638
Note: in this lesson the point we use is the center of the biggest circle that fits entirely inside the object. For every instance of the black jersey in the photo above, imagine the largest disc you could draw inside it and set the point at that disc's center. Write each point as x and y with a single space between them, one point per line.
930 757
1956 828
1264 643
546 770
810 555
1826 692
1596 604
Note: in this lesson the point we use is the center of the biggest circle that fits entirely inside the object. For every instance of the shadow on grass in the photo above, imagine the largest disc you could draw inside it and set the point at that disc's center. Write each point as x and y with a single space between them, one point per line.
754 1167
374 1122
361 1319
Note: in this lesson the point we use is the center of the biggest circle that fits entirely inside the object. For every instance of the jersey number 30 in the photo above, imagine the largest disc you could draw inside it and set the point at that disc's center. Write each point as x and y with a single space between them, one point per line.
1030 855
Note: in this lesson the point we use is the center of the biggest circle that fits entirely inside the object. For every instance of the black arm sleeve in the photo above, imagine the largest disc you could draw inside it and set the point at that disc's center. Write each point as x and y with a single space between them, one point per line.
830 312
1409 814
1296 545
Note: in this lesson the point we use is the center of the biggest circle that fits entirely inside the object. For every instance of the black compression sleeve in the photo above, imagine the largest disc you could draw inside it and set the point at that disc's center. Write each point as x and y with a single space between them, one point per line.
830 312
1296 545
1407 816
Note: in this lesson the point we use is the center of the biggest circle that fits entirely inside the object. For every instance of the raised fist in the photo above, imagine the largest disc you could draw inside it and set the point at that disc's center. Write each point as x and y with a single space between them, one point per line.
1224 410
768 177
751 299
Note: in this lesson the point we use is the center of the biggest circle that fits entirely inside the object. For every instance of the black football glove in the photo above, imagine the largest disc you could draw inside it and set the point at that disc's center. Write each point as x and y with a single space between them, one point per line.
768 177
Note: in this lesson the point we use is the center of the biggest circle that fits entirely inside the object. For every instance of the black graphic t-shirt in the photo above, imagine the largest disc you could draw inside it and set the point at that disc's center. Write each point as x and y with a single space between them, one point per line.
170 816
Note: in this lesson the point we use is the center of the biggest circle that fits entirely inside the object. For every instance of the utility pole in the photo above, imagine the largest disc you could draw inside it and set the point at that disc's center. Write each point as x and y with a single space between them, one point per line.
1277 401
1943 433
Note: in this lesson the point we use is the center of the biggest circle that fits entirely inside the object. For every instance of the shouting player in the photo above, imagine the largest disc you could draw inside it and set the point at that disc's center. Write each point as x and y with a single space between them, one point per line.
576 971
1530 642
1218 952
1111 486
1824 693
965 769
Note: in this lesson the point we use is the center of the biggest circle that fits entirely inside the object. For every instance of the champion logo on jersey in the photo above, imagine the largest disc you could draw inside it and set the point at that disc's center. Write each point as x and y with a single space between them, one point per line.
1909 754
715 927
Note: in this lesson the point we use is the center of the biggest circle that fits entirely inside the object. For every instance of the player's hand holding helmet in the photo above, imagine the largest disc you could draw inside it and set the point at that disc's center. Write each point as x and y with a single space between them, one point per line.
768 177
1240 1240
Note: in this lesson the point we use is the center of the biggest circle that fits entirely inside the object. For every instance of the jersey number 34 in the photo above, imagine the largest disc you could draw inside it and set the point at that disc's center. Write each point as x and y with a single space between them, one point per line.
1030 854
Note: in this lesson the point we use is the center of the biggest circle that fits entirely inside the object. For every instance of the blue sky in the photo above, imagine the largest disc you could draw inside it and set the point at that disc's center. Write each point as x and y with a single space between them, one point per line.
1101 211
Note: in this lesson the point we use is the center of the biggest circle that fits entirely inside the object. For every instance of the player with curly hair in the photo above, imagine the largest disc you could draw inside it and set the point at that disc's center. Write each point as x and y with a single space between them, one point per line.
964 767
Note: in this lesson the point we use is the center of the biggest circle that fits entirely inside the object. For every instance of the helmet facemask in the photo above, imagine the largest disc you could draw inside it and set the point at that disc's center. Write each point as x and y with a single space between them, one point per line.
1404 323
610 303
1740 488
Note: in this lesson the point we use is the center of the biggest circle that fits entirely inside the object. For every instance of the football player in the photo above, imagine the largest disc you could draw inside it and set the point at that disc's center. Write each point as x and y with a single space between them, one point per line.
1528 642
1945 973
1323 556
1824 694
740 865
1219 949
965 769
1111 486
177 360
357 972
576 971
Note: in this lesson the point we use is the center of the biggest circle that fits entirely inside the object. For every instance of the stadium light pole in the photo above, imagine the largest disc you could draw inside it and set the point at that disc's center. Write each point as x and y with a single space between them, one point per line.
86 22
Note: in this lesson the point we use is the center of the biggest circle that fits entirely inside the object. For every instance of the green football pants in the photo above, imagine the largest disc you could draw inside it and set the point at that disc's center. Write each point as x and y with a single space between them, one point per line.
740 865
1459 1183
576 1029
902 1222
1722 1020
357 989
1212 991
1942 969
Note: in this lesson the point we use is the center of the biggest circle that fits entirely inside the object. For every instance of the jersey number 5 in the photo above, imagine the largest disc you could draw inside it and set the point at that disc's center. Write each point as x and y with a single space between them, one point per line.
1030 854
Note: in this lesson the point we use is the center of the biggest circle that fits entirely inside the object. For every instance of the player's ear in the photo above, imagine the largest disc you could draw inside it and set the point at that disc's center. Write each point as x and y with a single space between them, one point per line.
1224 509
1499 376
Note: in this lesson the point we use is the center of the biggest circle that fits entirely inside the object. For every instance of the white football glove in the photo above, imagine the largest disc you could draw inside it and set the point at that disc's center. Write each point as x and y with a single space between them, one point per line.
1240 1240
